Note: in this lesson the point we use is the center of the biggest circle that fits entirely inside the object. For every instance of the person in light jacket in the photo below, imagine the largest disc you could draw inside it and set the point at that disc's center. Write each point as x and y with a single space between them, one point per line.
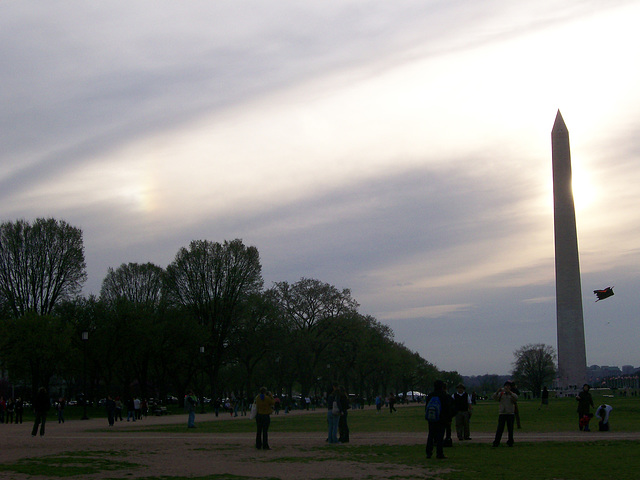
506 413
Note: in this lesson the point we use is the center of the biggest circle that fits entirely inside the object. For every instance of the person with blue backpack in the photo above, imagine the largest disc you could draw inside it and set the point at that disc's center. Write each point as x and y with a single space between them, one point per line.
438 413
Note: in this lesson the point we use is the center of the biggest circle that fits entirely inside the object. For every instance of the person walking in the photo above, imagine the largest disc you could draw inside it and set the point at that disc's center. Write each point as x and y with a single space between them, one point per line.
264 406
438 414
392 403
506 413
41 406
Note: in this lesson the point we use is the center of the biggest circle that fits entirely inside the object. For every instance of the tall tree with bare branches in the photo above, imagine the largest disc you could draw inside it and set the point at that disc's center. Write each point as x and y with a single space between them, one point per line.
41 264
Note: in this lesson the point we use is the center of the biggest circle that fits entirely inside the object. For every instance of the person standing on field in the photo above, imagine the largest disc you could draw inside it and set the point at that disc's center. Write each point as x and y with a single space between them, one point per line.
438 414
506 413
264 406
585 403
41 406
463 407
190 403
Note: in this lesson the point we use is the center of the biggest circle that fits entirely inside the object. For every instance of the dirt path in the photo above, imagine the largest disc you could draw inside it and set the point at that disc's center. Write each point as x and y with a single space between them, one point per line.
194 454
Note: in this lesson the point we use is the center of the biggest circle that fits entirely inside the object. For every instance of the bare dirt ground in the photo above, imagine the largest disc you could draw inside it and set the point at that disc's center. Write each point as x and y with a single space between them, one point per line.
194 454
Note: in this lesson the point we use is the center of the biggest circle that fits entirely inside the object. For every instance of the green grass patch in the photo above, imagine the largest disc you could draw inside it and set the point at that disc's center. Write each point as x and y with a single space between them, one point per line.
69 464
468 460
221 476
560 415
530 460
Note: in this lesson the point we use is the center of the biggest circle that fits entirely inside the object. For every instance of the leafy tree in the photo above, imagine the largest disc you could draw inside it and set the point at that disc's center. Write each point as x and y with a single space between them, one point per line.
140 284
534 366
40 265
176 356
312 310
255 338
427 374
34 348
102 349
134 294
375 345
212 280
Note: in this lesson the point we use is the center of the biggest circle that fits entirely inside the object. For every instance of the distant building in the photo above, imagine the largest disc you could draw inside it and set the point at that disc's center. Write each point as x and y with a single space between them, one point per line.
628 369
596 373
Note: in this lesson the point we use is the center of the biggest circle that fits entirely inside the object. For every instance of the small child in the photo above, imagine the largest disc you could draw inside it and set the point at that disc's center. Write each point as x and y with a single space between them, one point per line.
584 422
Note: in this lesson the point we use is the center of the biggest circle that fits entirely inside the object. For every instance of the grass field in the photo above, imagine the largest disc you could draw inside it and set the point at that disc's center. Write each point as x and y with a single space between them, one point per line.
559 460
559 416
530 460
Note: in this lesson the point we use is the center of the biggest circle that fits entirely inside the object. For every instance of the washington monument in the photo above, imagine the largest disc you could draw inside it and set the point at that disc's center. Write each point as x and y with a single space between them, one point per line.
572 357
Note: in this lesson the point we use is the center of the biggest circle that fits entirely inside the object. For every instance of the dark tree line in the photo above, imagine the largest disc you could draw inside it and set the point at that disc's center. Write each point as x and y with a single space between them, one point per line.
204 322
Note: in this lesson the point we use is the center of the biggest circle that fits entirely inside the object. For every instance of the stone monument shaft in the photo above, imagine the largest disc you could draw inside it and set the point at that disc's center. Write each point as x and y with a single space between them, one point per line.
572 357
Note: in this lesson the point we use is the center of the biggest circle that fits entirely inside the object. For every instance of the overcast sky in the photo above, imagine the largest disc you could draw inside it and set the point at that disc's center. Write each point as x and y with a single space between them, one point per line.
399 149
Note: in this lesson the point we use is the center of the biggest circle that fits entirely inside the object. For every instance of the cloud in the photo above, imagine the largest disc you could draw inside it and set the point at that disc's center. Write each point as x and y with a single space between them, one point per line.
435 311
401 150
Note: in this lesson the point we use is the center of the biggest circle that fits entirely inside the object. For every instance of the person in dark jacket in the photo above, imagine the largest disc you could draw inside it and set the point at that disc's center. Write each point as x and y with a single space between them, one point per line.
585 402
111 410
19 409
41 406
463 407
343 426
439 421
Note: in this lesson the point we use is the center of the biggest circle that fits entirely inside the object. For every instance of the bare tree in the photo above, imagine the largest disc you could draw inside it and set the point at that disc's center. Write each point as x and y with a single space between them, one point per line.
534 366
41 264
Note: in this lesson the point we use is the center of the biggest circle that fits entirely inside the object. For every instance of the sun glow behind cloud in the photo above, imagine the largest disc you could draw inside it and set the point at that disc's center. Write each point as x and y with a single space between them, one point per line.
371 120
495 102
326 147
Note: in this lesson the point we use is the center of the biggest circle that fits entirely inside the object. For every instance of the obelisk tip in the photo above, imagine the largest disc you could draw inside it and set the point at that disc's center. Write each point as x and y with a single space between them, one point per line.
559 122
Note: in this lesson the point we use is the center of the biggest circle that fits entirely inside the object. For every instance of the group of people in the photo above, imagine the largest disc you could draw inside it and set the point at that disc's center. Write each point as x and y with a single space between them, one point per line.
338 406
11 410
136 409
441 409
585 404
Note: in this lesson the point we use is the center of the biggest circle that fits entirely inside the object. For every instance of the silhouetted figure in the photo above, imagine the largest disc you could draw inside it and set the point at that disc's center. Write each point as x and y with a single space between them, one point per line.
41 406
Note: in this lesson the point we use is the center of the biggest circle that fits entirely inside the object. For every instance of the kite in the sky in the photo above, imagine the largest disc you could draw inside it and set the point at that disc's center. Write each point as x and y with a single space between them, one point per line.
604 293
